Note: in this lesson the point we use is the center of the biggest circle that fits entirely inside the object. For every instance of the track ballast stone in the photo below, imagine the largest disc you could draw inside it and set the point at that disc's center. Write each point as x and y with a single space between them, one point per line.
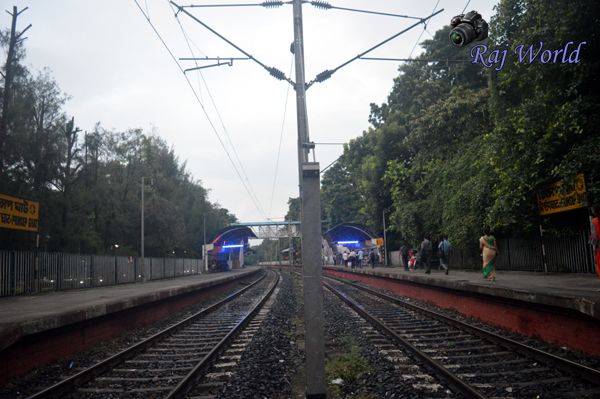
271 359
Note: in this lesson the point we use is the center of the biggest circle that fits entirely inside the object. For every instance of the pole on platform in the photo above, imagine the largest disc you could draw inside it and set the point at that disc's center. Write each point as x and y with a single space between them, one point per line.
204 251
290 250
143 269
385 261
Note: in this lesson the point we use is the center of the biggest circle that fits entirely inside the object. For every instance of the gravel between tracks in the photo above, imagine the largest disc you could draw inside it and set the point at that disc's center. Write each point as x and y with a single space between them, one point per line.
269 362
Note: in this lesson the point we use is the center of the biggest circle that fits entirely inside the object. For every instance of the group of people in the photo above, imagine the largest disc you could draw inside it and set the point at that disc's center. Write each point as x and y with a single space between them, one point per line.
421 257
358 258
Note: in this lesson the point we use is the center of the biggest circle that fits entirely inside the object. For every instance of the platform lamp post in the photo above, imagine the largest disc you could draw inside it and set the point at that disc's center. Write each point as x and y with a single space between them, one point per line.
385 261
143 269
204 251
116 274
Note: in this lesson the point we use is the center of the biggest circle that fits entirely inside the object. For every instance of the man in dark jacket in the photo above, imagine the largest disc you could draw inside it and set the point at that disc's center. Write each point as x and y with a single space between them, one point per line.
404 256
425 253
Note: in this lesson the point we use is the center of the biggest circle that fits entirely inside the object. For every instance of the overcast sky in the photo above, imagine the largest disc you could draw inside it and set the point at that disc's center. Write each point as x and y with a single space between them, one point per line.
106 57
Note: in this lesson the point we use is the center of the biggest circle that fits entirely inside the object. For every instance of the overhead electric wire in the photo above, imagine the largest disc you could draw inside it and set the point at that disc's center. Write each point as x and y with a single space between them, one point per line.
414 59
424 28
267 4
466 5
287 92
326 6
225 130
197 99
276 73
328 72
317 4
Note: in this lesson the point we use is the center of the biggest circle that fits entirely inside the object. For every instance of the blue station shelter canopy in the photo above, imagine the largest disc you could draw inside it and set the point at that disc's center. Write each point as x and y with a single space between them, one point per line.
232 235
348 233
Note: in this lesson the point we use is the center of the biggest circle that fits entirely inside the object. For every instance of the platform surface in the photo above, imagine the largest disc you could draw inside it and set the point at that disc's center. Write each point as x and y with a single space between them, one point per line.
572 291
24 315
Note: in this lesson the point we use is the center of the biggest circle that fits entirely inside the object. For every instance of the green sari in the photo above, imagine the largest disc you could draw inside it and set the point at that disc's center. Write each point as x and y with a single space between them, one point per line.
489 252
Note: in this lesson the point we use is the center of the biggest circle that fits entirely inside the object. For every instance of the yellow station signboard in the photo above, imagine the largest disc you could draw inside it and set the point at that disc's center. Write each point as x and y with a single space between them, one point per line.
557 198
19 214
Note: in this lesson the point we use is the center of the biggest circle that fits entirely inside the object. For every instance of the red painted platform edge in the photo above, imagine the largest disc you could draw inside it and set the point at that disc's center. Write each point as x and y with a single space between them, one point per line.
39 349
578 304
9 334
574 331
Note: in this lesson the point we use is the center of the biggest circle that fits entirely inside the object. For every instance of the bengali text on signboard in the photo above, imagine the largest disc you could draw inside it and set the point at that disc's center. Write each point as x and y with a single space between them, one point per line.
19 214
559 198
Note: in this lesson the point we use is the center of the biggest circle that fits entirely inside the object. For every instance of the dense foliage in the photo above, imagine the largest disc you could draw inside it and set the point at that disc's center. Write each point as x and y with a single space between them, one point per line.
459 147
89 183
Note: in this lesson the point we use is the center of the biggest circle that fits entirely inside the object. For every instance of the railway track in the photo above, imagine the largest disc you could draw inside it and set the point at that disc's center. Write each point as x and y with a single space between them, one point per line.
469 361
167 364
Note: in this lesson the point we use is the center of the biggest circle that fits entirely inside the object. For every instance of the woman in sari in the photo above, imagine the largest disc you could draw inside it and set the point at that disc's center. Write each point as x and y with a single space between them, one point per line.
489 251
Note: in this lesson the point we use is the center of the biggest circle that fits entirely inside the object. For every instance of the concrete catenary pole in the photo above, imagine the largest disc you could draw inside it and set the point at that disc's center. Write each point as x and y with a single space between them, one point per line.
310 218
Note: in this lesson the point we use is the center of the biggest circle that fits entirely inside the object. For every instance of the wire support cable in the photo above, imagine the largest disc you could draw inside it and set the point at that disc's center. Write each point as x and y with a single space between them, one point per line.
327 73
276 73
252 193
280 139
414 59
424 29
199 102
266 4
326 6
466 5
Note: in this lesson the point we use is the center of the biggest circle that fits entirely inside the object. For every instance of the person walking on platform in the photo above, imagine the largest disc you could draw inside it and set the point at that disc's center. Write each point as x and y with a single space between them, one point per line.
444 248
595 237
345 258
361 255
404 256
352 259
425 254
489 251
372 258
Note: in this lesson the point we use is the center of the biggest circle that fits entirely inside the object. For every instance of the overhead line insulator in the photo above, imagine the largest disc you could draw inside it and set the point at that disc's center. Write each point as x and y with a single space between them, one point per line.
326 74
276 73
272 4
321 4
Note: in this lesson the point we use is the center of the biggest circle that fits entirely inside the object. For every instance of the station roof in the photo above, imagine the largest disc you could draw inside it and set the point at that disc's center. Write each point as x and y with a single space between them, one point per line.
233 235
349 232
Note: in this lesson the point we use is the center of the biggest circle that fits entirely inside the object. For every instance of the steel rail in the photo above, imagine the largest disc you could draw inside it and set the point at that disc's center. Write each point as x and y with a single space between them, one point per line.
456 383
188 381
576 369
67 385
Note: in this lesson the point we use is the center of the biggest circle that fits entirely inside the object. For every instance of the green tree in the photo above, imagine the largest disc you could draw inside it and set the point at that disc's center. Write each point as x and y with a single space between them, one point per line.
545 115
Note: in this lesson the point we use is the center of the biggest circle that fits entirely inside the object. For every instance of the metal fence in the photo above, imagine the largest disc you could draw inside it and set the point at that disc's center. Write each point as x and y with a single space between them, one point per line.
533 253
26 272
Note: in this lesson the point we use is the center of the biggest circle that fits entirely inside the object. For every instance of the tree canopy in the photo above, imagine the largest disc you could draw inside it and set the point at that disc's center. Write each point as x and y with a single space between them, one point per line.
458 147
89 183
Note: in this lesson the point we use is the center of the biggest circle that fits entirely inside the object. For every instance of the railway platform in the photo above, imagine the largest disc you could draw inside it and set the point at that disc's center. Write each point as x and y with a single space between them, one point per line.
22 316
570 291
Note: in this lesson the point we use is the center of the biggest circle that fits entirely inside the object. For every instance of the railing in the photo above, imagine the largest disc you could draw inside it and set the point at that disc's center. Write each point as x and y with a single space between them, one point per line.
532 253
23 272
